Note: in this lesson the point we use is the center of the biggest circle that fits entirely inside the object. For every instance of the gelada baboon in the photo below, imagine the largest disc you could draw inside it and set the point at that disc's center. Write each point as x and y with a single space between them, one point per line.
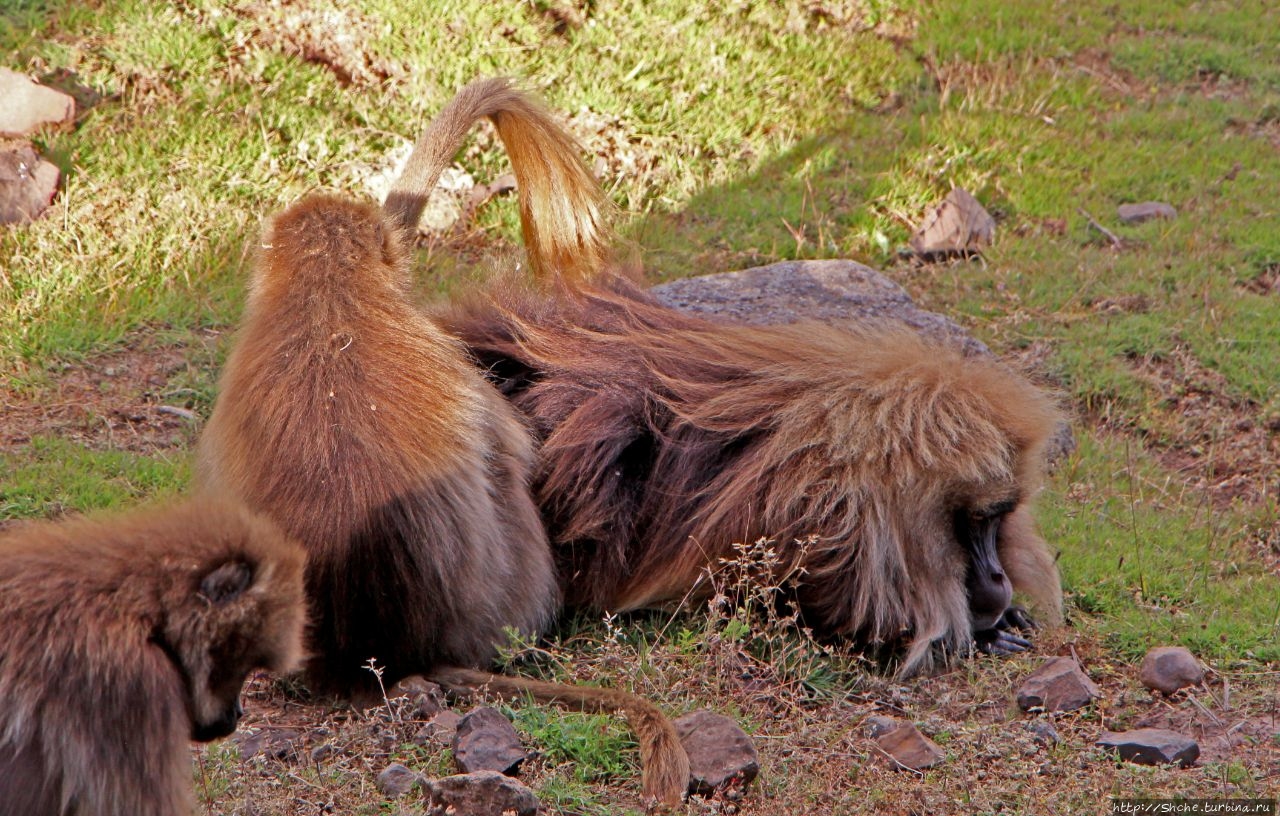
665 438
127 636
368 433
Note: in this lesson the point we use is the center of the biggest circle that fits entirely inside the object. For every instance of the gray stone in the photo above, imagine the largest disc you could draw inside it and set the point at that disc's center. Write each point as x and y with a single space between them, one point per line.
323 751
426 699
1169 668
909 748
396 780
441 728
273 742
1058 685
28 106
879 725
1152 746
790 291
27 183
957 226
1043 732
720 753
1146 211
479 794
487 741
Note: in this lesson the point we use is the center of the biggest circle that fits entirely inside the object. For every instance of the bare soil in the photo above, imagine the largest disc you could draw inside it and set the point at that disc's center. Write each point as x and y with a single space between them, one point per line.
125 399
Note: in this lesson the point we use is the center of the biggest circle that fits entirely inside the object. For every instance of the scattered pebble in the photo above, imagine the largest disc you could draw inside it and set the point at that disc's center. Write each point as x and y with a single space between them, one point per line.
909 748
720 753
27 183
957 226
482 792
425 697
396 780
487 741
1146 211
441 728
29 106
1058 685
1169 668
1153 746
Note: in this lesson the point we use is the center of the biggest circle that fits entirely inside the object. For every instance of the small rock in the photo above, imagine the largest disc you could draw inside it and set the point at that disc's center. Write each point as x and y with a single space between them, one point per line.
441 728
323 751
28 106
1169 668
396 780
1044 732
878 725
487 741
1058 685
27 183
957 226
482 792
720 753
1147 210
1152 746
425 697
909 748
271 742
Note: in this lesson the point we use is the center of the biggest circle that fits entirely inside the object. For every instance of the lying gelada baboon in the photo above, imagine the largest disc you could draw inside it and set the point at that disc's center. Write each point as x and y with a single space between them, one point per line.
665 439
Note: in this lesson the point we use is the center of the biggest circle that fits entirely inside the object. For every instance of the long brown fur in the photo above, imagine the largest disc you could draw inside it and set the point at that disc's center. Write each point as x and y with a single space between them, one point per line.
666 438
126 636
368 433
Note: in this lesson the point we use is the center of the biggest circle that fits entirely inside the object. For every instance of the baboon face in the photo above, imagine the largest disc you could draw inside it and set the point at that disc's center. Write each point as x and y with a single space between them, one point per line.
977 529
215 643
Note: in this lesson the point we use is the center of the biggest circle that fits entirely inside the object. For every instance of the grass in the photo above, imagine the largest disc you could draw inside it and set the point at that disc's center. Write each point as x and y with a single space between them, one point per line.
736 134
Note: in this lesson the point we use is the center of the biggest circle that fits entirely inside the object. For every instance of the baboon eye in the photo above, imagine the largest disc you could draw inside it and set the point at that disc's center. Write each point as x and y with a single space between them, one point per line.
996 510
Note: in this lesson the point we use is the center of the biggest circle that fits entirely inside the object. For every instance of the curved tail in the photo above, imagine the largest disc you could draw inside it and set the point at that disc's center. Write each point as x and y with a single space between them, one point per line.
564 214
663 761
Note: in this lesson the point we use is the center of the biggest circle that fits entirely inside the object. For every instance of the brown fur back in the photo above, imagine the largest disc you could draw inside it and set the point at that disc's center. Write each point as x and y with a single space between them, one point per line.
367 433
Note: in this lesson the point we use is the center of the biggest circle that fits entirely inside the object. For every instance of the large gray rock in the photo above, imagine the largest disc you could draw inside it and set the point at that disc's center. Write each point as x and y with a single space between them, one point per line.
487 741
1169 668
1058 685
479 794
791 291
26 106
27 183
1152 746
720 753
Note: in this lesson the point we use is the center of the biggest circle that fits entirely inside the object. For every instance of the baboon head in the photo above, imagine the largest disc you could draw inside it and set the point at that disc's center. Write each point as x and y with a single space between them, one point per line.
237 614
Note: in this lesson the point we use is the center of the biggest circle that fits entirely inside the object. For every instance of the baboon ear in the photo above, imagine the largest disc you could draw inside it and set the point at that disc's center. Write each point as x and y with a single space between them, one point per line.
226 582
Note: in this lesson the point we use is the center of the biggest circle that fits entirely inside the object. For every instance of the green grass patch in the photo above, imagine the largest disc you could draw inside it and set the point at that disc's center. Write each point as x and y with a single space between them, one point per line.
54 476
1147 563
